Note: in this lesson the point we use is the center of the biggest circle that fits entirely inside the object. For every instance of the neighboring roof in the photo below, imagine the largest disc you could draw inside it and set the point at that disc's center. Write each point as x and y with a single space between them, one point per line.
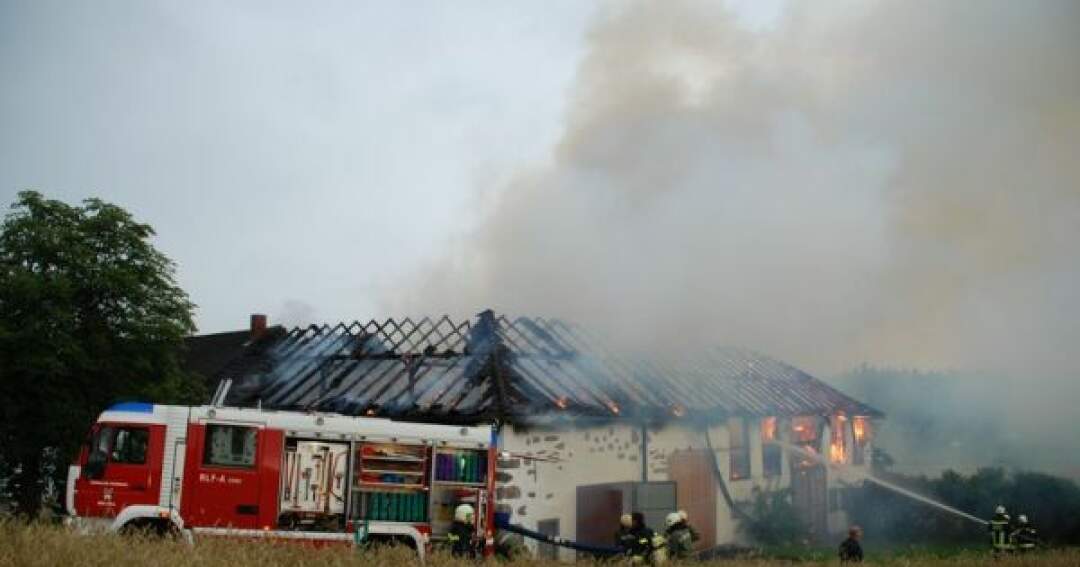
214 355
514 370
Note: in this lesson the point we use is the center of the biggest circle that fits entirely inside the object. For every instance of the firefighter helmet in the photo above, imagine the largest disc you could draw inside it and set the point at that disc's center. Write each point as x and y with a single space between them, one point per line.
999 510
1022 519
672 519
626 520
464 514
684 516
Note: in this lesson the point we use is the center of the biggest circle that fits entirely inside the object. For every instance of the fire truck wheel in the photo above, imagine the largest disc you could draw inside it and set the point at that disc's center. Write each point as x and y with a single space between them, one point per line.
146 527
390 540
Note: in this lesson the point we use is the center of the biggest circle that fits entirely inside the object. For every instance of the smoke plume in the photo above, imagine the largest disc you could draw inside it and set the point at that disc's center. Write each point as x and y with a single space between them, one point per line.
890 181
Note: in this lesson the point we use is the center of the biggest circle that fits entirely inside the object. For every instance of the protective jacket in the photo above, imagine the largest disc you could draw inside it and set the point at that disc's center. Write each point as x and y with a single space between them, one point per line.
509 545
642 545
462 539
851 551
624 540
1025 538
680 541
1000 528
694 536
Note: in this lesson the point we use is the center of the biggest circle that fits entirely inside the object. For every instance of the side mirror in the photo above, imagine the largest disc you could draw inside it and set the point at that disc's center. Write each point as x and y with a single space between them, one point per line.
95 465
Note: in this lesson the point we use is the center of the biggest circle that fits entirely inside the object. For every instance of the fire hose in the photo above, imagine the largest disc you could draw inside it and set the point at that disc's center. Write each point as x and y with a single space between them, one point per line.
610 551
719 476
555 540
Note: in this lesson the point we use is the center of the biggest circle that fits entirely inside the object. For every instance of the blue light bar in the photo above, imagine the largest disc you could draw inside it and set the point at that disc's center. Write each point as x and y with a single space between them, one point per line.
133 407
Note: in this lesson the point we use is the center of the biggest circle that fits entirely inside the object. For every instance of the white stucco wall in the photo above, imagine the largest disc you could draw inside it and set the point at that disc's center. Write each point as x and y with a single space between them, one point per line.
535 490
539 490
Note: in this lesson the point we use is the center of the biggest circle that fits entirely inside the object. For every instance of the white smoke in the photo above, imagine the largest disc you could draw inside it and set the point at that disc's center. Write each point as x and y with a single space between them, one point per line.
890 181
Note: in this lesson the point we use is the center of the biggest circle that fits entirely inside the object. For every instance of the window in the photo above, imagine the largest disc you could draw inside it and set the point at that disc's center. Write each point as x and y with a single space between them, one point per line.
805 431
99 452
549 528
860 433
230 446
129 446
116 444
99 444
739 445
771 453
837 443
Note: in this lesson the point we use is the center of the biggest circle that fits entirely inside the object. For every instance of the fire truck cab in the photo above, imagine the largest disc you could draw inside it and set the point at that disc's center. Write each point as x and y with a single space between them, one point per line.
315 477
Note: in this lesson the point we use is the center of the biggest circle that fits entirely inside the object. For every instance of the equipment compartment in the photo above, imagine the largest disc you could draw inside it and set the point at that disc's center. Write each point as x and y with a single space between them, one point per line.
390 483
313 482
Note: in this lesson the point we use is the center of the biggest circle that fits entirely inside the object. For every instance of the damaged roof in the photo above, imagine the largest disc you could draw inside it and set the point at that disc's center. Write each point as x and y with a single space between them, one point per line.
493 367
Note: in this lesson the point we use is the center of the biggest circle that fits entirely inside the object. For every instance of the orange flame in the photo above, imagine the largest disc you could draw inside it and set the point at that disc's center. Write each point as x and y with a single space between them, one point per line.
614 407
836 451
561 402
860 430
678 410
768 429
804 429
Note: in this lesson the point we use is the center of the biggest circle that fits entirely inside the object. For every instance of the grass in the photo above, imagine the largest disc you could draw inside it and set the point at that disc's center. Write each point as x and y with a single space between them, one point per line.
42 545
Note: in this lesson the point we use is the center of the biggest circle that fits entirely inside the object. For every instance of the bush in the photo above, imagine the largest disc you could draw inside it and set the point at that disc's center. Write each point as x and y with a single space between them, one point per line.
1049 502
776 520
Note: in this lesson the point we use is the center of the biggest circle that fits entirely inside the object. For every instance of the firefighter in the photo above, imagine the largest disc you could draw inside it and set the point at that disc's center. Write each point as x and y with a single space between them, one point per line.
462 536
509 545
850 549
680 542
624 538
658 554
1000 528
1024 538
644 540
686 520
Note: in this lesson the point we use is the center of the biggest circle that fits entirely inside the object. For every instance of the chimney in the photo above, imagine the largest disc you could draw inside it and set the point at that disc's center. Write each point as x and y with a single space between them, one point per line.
258 326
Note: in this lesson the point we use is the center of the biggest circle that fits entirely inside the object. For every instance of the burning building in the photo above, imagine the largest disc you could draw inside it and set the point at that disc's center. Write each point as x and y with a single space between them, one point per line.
585 433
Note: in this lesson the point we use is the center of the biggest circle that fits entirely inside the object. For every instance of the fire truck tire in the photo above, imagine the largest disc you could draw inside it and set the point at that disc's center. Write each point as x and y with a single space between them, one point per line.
150 527
392 540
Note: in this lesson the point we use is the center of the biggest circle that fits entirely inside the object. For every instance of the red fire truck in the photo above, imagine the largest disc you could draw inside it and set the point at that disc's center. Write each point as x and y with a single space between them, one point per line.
316 477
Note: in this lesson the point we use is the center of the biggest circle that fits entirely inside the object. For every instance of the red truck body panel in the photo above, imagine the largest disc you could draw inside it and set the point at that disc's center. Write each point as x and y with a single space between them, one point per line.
130 469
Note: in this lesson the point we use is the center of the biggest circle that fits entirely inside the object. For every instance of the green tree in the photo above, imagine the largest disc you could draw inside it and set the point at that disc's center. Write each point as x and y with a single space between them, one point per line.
90 313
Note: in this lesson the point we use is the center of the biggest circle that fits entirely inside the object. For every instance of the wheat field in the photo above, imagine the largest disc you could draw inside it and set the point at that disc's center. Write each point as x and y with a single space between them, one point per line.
44 545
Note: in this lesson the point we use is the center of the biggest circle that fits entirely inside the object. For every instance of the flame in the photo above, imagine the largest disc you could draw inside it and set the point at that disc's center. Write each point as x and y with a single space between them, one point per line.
614 407
678 410
369 412
860 430
561 402
804 429
836 451
768 429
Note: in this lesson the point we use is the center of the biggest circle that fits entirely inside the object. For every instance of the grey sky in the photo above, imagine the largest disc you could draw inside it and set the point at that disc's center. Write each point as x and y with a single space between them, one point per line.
283 152
294 158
